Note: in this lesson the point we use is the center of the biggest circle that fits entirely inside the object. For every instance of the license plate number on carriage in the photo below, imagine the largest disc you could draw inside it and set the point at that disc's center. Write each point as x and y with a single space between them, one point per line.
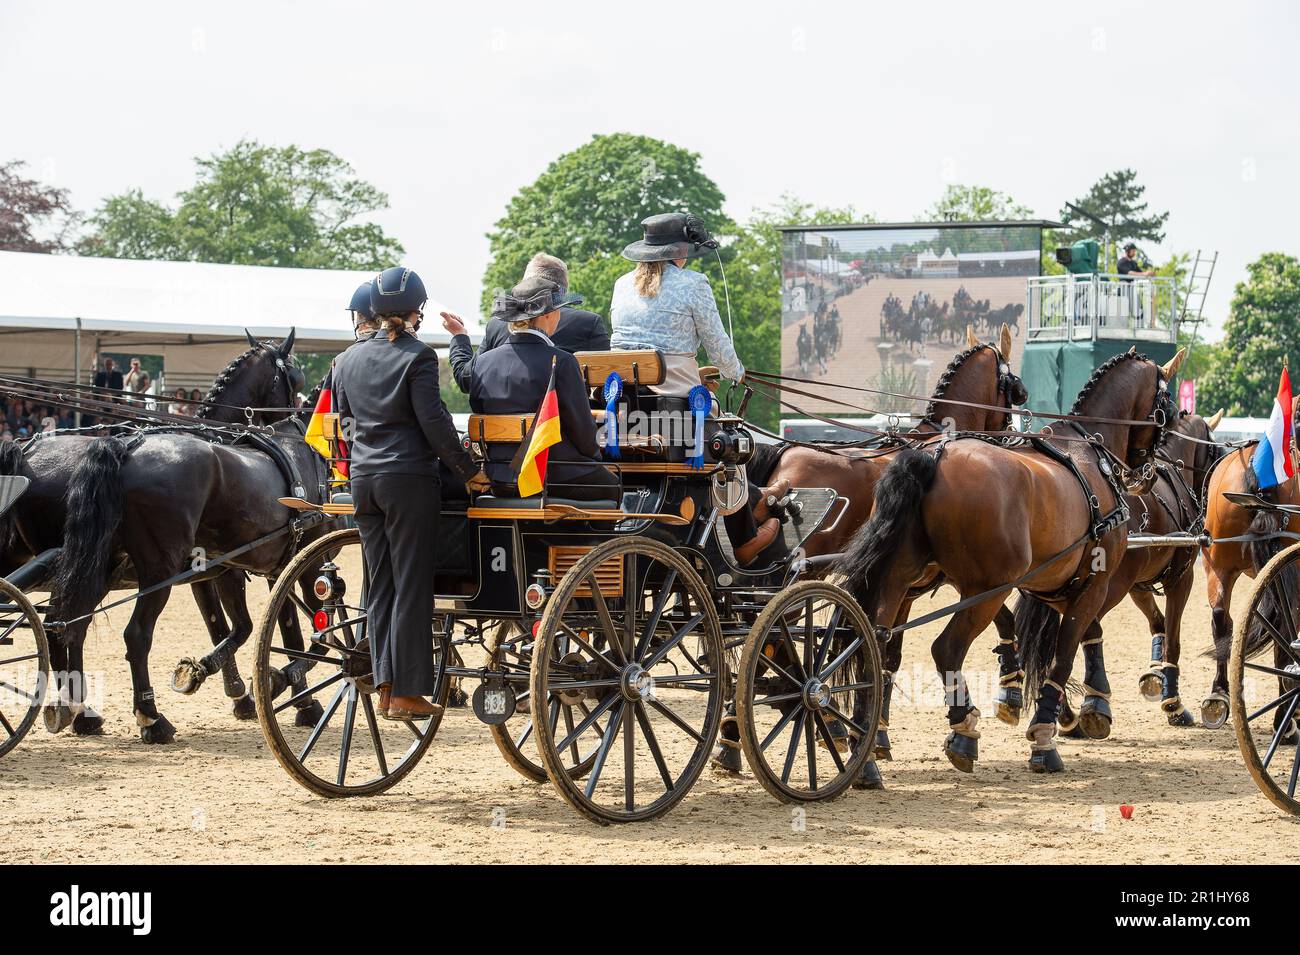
494 702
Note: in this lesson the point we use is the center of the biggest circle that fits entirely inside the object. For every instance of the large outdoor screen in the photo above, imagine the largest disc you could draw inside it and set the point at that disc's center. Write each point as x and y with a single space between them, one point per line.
887 307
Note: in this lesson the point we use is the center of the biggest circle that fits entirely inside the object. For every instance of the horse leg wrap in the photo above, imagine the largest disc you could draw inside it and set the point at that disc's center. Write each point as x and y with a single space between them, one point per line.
1151 683
727 755
962 744
154 727
1094 712
1043 757
1010 698
1172 704
882 730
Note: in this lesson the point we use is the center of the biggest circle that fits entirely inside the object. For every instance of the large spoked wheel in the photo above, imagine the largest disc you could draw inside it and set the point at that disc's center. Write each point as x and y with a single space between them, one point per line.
514 738
1265 687
24 665
316 700
808 693
644 657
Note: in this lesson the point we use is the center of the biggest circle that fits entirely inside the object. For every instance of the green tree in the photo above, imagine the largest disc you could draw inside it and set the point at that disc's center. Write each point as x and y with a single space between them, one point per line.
589 203
1116 198
975 204
254 205
30 209
1261 332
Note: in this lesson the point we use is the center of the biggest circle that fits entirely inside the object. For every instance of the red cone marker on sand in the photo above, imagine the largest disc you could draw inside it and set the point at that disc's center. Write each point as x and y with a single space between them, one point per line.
1126 811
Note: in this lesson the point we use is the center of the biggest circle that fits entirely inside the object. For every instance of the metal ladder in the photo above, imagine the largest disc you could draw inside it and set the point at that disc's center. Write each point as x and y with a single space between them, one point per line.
1198 284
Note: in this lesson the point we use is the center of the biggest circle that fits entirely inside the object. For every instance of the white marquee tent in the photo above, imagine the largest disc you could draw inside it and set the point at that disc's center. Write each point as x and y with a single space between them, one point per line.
57 312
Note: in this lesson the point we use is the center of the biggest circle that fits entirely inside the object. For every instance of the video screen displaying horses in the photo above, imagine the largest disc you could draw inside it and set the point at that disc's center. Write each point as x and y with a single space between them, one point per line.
887 307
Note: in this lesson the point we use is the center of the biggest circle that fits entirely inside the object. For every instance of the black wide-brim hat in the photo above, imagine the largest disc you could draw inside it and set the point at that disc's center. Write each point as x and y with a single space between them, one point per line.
531 298
665 238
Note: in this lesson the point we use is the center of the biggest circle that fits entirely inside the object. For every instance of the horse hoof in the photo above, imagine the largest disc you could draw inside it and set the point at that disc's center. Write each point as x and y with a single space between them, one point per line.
1181 717
457 699
1094 718
839 736
88 724
882 745
188 676
962 751
727 759
243 708
1046 761
1151 685
308 715
870 777
57 718
1214 712
1074 732
160 732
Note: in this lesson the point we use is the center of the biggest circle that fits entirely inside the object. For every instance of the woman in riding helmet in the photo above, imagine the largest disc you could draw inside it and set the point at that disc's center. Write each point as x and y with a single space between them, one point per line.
665 306
386 387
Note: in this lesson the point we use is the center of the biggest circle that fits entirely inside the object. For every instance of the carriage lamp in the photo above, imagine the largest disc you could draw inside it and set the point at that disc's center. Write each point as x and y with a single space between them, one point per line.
327 586
534 596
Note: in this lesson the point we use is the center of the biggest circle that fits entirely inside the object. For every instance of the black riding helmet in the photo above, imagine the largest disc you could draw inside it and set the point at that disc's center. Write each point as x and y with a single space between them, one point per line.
360 304
396 291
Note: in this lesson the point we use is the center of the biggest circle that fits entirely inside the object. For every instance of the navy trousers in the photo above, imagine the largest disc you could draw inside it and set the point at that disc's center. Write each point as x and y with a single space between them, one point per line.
397 515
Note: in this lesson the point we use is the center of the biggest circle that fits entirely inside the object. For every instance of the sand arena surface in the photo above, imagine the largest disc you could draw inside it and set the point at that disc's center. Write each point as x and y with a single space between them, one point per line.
218 795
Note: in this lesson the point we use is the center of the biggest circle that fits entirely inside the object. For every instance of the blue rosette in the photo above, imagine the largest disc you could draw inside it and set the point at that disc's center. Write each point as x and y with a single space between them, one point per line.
700 401
613 391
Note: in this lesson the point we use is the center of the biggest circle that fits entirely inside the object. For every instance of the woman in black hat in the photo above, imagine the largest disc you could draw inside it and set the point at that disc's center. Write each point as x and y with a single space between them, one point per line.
667 307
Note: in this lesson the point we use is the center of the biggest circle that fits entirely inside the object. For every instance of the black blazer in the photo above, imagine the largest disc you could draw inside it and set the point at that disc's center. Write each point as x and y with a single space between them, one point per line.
399 424
579 330
512 379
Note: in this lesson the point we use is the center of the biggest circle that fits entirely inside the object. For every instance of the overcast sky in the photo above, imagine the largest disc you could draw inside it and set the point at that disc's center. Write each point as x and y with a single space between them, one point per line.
451 109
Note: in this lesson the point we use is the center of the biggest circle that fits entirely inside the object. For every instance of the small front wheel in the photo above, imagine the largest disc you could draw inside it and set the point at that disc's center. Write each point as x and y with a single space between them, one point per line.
808 692
24 665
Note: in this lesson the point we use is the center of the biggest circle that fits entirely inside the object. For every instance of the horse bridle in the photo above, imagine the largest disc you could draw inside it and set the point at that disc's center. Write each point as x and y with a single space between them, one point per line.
285 367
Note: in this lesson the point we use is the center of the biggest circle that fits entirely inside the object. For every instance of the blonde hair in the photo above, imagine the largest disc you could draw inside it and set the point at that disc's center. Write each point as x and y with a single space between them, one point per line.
550 268
647 278
392 325
520 324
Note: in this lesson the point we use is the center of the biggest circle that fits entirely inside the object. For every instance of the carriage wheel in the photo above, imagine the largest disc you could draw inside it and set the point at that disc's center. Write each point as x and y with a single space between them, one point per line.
646 661
1266 719
24 665
809 680
338 745
514 738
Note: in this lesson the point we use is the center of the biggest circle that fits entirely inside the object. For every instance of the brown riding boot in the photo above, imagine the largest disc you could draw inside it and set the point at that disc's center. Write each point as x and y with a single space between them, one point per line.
774 493
385 691
767 532
406 709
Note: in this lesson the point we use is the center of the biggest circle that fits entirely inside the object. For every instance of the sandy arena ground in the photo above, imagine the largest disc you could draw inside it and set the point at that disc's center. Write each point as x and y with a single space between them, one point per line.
218 795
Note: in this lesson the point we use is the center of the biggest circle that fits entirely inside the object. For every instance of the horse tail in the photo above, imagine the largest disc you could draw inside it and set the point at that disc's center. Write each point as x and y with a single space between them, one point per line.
1037 626
11 465
94 514
895 515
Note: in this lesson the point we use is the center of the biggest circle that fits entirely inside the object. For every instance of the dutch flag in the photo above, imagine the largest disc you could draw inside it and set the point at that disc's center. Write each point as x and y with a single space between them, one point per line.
1272 461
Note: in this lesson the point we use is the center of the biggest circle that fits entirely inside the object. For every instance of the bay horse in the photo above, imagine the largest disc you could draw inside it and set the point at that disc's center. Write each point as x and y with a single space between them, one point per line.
261 378
1225 561
980 375
1044 515
1172 505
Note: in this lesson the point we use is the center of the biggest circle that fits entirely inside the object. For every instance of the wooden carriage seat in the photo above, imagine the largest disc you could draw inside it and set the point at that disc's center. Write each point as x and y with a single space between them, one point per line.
635 367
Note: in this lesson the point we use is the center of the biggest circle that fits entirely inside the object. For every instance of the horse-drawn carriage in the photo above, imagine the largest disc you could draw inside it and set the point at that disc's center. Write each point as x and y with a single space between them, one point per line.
602 642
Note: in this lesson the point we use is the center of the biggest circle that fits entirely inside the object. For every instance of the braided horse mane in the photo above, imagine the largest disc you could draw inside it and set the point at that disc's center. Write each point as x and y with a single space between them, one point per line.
223 381
1164 399
945 380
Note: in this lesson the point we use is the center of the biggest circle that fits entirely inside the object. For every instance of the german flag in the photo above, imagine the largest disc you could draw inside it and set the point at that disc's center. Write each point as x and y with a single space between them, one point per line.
530 461
323 431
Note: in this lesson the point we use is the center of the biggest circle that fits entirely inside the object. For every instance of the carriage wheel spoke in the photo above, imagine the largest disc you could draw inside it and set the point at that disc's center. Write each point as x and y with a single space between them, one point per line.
1295 770
825 732
523 737
794 746
847 687
6 724
832 625
779 698
676 720
772 664
369 707
1289 694
320 725
802 676
846 721
653 743
573 635
25 656
780 725
568 727
808 657
656 611
1280 731
677 638
588 720
1273 670
586 712
606 742
688 679
1279 594
606 620
349 719
810 745
629 760
311 656
302 695
30 697
1282 643
839 661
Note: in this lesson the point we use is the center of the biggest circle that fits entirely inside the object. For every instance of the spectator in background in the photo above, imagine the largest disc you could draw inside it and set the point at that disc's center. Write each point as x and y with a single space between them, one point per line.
1128 263
179 404
109 377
